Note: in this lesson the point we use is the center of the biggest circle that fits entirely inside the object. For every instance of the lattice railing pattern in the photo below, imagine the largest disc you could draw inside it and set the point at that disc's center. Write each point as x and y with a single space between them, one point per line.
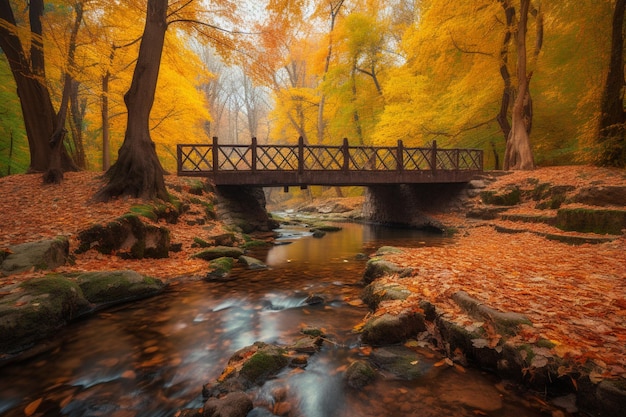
253 157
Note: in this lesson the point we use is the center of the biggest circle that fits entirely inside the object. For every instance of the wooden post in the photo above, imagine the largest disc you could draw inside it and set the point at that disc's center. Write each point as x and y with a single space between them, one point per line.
400 156
253 149
433 156
346 155
458 159
179 160
216 159
300 155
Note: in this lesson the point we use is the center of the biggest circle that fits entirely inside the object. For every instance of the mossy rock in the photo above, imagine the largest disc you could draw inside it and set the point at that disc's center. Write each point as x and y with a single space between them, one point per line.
111 287
377 292
359 374
252 263
219 252
390 329
42 307
43 255
377 267
592 221
128 236
220 269
401 361
507 197
388 250
264 363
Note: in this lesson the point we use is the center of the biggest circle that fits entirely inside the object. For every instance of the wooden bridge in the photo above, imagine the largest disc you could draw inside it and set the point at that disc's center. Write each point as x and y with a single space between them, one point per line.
302 165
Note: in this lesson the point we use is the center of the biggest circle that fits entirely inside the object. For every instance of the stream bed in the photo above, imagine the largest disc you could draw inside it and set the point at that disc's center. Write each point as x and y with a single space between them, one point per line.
151 358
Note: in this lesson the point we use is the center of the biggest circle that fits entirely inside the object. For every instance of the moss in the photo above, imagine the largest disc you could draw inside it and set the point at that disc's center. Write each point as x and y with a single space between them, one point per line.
145 210
545 343
509 197
592 221
255 244
263 364
201 242
224 262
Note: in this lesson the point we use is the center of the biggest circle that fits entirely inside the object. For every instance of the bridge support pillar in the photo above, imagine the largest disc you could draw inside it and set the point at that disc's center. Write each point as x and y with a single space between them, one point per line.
243 207
409 205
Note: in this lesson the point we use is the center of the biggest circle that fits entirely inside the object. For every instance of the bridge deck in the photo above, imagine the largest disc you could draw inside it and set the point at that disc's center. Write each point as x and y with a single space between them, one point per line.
300 165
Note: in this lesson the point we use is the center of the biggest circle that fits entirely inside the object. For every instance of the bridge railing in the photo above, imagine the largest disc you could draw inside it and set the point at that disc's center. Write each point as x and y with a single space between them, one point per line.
216 157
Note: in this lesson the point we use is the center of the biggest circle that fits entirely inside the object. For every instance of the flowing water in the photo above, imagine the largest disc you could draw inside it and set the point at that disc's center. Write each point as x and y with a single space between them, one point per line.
152 357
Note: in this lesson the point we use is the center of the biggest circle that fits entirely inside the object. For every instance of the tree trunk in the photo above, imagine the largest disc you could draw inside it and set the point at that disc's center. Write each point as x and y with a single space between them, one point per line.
29 74
611 135
138 171
503 115
519 153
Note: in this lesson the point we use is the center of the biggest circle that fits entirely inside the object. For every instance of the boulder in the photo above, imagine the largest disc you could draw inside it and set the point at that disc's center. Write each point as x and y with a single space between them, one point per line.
602 196
219 252
36 309
376 292
220 269
252 263
235 404
592 221
392 328
377 267
112 287
401 361
359 374
128 237
248 367
42 255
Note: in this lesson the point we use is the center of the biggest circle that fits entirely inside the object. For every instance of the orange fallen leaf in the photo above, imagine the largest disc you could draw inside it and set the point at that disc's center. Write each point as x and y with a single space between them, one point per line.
32 407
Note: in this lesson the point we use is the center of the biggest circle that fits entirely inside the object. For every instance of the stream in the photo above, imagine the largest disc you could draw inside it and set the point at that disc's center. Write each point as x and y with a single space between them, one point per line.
151 358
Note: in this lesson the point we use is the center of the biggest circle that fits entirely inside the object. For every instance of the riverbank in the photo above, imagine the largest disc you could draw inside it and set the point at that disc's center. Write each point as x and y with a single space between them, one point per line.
572 294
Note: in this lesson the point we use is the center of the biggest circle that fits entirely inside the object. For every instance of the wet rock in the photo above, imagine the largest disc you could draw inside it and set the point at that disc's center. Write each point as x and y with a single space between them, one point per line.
318 234
377 267
315 299
248 367
359 374
220 269
306 344
42 255
401 361
110 287
219 252
36 309
388 250
235 404
252 263
389 329
376 292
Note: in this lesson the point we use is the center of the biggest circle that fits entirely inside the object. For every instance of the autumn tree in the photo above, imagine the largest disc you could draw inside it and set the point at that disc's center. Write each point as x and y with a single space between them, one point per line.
611 135
138 171
44 126
519 154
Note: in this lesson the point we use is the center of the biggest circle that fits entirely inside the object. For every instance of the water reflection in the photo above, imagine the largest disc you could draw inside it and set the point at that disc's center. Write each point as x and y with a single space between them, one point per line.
151 358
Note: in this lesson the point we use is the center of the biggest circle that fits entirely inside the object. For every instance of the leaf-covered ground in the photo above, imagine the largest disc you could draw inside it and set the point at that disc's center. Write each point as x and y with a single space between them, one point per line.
32 211
575 295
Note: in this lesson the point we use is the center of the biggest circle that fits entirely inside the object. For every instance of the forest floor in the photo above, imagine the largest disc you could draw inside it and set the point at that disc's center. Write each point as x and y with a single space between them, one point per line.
575 296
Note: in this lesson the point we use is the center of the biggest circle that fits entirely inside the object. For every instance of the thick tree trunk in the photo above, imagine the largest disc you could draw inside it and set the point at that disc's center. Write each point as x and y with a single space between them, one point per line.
138 171
519 153
611 135
29 74
503 115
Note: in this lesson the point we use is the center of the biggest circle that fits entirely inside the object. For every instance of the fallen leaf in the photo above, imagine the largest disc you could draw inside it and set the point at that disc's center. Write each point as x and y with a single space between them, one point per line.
32 407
